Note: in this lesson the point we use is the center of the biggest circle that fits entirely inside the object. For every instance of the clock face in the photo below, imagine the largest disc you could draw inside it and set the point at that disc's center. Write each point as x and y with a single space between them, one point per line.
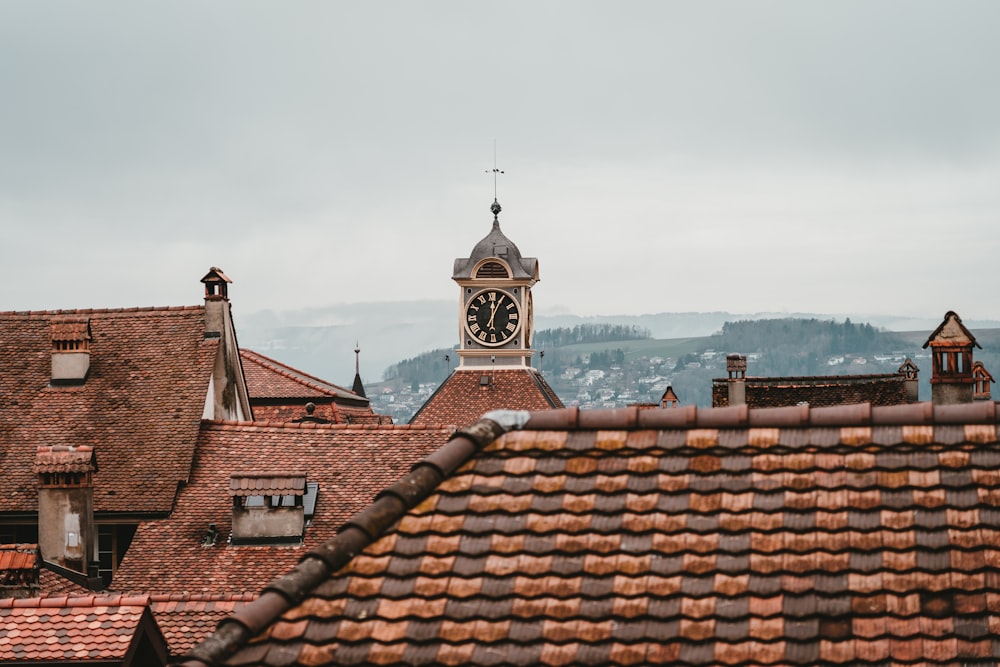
492 317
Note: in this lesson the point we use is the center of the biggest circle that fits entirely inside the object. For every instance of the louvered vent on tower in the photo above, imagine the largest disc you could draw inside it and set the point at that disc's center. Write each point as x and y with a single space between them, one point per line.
492 270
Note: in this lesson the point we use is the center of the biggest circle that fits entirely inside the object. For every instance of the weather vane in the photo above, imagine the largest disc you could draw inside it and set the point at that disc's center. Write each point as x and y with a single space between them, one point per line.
494 170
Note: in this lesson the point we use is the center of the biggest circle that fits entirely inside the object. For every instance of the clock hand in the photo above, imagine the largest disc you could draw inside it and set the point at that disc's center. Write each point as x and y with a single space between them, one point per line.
493 313
493 309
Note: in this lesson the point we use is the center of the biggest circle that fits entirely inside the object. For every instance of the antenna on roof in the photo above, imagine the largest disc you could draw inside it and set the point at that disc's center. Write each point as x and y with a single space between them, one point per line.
496 205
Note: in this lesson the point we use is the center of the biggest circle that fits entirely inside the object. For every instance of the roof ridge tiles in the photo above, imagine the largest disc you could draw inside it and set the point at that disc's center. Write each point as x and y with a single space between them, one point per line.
225 424
742 417
98 311
65 601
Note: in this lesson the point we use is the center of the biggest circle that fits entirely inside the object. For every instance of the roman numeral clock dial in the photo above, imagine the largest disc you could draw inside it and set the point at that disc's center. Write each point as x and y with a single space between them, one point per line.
492 317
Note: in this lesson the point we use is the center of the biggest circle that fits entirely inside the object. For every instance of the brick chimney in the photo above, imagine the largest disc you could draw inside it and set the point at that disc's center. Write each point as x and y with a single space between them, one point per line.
736 367
951 355
66 532
70 349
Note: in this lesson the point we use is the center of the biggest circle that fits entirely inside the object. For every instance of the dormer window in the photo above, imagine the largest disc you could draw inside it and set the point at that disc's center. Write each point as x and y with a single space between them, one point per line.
270 508
70 350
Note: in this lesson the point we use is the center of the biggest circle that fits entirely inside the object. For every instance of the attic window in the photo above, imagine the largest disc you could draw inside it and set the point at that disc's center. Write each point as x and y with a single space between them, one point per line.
269 508
307 501
492 270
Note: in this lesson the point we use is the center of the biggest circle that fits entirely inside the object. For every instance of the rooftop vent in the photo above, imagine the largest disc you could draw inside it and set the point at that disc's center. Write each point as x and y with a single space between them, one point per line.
268 508
70 350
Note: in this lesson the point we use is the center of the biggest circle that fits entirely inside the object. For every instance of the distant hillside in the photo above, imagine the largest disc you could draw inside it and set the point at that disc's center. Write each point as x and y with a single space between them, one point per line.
321 340
614 373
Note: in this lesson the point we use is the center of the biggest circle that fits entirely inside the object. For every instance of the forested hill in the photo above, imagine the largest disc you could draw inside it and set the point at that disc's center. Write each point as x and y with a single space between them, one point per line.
803 342
587 333
609 365
434 365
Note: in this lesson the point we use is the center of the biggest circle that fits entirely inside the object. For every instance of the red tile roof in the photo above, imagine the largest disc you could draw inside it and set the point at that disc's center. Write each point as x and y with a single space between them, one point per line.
267 378
463 397
350 464
19 570
52 584
816 390
88 628
186 619
140 407
16 557
280 393
845 535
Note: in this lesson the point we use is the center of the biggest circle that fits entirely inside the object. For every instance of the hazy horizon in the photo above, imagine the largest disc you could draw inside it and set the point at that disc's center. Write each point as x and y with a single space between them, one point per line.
658 156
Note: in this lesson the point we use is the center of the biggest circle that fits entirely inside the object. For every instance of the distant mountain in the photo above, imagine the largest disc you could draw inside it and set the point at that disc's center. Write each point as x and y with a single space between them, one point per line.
321 340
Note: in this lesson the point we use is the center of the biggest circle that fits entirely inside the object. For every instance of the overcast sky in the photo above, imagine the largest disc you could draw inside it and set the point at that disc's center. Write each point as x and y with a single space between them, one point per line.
838 157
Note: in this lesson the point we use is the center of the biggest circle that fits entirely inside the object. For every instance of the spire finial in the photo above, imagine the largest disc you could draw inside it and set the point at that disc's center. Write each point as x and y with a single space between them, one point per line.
359 387
496 204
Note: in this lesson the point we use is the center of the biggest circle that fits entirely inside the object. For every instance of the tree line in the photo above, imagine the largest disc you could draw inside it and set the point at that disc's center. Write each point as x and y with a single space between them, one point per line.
588 333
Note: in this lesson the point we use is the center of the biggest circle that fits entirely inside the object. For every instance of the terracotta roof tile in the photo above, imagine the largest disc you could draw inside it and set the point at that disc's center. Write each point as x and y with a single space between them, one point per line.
186 619
280 393
349 463
145 391
462 398
14 557
268 378
72 629
834 541
886 389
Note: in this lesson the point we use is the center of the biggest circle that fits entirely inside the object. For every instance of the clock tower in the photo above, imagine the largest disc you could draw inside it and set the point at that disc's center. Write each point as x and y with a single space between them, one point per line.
495 309
494 332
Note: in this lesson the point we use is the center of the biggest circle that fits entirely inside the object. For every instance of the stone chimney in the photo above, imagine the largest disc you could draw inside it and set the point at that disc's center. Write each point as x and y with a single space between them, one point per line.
216 301
909 372
70 349
268 507
66 532
736 367
951 355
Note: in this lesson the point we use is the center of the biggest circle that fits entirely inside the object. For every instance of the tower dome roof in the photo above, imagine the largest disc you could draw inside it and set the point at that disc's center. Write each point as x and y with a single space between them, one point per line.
497 245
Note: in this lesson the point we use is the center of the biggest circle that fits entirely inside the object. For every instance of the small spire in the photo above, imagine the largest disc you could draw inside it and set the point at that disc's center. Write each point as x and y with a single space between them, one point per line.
359 387
496 210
